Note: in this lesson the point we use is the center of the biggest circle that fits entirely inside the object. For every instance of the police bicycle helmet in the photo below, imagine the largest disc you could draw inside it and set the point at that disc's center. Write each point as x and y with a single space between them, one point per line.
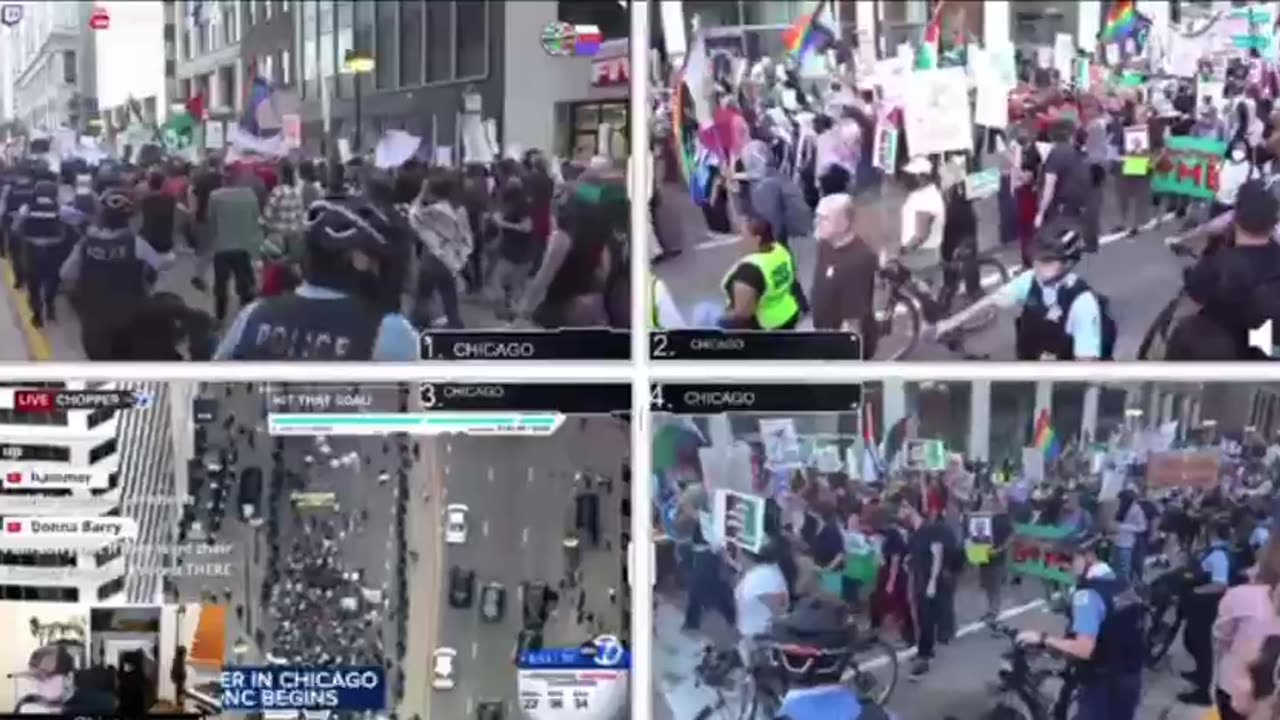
813 642
1060 240
116 206
335 229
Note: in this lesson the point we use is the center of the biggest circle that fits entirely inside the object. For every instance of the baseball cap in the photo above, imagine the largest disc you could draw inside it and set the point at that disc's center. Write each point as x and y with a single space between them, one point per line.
1256 208
49 661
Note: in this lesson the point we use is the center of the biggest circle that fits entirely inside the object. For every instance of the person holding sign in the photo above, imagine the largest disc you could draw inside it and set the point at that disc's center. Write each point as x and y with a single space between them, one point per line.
1105 639
1233 174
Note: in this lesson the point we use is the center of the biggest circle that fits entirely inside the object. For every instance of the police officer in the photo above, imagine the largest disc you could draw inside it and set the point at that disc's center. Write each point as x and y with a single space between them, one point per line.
108 272
348 306
1105 637
761 287
1210 581
20 192
38 226
1062 319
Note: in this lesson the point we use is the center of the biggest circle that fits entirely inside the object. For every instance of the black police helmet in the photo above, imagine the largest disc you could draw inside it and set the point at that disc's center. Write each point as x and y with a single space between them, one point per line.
348 224
812 642
1256 209
116 205
1058 241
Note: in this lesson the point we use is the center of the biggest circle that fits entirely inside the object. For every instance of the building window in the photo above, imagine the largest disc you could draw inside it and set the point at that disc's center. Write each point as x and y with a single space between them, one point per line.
98 417
472 22
364 28
110 588
713 13
230 24
186 44
19 452
69 66
585 125
411 56
345 16
102 450
613 19
1036 24
385 31
310 51
439 42
286 69
267 68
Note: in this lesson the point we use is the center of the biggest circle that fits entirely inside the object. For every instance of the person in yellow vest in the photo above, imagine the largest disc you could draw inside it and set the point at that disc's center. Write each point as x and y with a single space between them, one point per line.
760 288
664 313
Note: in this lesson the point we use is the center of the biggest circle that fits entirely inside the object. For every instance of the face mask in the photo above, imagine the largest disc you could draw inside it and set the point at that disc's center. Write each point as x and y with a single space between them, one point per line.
1237 155
1046 276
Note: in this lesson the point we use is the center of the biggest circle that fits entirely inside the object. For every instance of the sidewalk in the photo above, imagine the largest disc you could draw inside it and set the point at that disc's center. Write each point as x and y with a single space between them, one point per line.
60 340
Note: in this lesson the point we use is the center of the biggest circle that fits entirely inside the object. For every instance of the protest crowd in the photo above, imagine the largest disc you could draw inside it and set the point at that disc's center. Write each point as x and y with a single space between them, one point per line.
1121 536
339 255
881 163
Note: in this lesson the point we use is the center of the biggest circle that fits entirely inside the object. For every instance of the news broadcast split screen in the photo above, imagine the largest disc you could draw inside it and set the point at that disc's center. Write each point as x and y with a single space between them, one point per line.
824 480
225 548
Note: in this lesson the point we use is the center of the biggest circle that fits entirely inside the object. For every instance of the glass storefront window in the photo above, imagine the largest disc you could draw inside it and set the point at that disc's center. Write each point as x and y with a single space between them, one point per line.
1012 407
713 13
774 12
943 410
1111 407
1037 23
310 52
1068 412
585 122
346 42
388 58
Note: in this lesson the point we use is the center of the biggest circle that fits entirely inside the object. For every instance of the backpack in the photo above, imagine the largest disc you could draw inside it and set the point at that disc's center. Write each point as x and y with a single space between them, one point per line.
1110 330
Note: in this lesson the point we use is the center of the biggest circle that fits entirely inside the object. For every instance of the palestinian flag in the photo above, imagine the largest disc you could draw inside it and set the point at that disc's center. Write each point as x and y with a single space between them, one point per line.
930 49
178 132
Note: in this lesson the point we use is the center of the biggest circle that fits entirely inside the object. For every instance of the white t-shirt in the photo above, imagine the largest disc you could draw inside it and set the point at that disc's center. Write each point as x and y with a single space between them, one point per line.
753 615
1231 176
927 199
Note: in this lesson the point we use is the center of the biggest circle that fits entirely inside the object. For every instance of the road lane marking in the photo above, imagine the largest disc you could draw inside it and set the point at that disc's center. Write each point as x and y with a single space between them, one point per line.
528 477
448 448
490 473
469 701
524 536
484 528
475 652
37 342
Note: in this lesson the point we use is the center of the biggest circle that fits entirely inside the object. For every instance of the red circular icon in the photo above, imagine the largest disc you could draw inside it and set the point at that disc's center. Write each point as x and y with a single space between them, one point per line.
100 20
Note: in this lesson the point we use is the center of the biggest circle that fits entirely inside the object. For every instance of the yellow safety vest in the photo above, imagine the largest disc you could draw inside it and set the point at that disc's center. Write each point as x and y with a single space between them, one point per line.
777 304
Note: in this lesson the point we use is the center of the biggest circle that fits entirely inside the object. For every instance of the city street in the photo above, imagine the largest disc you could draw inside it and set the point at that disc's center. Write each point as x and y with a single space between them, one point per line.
519 492
1138 275
958 686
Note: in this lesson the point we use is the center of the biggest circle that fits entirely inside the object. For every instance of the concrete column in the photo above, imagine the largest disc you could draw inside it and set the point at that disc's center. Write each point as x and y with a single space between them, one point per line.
882 51
1184 416
980 420
671 13
1088 24
1194 418
1044 398
866 18
997 23
894 404
1152 418
1166 408
1089 414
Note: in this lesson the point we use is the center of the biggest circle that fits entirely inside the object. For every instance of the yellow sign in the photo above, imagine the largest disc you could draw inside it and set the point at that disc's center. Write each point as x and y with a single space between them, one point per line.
1135 166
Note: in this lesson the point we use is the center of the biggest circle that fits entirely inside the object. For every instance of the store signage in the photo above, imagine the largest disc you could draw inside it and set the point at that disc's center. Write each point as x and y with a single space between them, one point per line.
610 72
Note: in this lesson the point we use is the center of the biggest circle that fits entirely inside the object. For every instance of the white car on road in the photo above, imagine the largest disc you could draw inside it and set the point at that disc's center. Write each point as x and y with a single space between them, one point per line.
442 668
455 524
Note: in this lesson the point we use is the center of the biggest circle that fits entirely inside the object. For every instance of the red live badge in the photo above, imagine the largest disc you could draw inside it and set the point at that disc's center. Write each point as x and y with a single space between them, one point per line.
100 19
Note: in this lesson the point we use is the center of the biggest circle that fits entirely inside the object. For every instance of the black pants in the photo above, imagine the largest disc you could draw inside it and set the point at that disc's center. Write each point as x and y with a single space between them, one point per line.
834 179
1225 711
434 277
43 264
930 615
228 265
960 264
1197 637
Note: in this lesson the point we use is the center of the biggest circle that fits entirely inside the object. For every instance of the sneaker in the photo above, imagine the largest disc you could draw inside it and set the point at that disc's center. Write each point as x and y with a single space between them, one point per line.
919 669
37 321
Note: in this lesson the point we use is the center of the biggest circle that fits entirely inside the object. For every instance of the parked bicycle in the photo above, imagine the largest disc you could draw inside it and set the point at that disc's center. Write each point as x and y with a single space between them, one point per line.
1024 677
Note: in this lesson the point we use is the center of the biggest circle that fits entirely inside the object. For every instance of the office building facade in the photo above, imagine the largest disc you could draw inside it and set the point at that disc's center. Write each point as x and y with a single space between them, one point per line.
52 64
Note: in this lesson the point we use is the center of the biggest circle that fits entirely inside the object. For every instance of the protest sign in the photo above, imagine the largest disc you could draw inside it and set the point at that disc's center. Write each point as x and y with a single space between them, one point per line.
1135 166
991 104
1064 50
1002 60
982 184
1113 54
1044 57
781 442
1033 464
291 128
1184 469
979 538
884 155
1041 551
936 112
1184 55
1137 140
1188 166
739 519
929 455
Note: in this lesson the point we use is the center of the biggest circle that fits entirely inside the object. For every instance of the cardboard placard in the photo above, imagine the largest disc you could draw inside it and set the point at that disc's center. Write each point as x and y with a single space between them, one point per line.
739 519
1188 166
1137 140
982 184
1184 469
936 112
1135 166
929 455
1039 551
884 156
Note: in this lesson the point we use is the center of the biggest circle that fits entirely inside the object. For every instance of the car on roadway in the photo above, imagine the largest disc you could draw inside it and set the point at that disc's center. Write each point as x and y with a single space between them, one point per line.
526 641
462 587
493 601
455 524
442 668
490 710
536 602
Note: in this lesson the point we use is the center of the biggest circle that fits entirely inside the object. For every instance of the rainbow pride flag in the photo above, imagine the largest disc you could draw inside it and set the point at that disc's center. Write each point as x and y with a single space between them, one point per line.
808 34
1122 22
1044 438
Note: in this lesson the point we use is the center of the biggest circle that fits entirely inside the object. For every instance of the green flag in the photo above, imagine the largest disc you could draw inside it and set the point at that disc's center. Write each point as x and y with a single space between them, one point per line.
178 132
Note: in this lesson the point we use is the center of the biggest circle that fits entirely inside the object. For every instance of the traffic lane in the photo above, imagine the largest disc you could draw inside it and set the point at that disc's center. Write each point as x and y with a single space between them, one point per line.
19 339
426 613
961 680
501 547
1138 276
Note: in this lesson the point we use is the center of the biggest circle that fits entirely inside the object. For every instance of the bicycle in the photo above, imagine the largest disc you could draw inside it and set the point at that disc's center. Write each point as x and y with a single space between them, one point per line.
910 297
1165 616
1157 335
1024 680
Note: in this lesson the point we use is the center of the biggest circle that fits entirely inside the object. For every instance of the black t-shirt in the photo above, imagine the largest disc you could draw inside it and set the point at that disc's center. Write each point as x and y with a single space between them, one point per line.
844 285
753 277
1239 287
827 545
515 246
919 552
1068 166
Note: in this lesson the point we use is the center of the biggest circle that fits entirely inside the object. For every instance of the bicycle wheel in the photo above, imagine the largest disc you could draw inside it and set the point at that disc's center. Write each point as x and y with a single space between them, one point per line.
1165 625
1158 331
877 682
900 323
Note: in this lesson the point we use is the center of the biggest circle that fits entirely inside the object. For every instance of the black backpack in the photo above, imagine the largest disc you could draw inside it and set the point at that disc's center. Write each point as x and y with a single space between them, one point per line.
1110 331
